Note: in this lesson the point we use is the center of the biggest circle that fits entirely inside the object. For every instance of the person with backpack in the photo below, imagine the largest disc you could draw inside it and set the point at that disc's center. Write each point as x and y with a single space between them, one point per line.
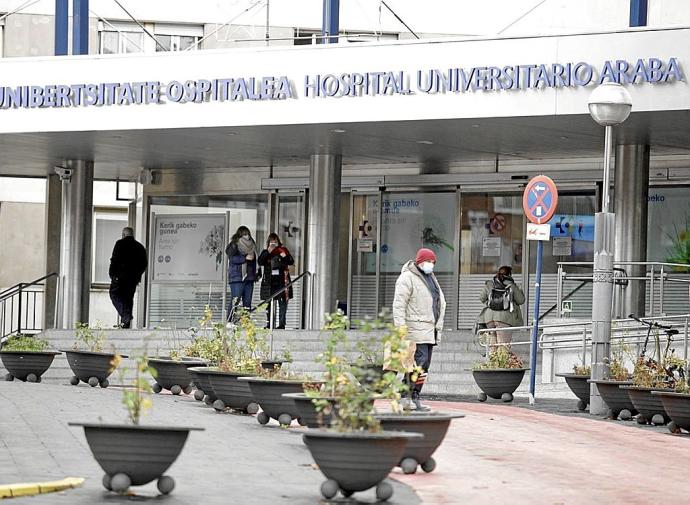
502 299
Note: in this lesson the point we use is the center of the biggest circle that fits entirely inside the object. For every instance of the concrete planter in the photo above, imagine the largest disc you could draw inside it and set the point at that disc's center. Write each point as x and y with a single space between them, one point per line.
499 383
173 374
616 398
230 392
432 425
356 461
580 387
677 406
27 365
650 406
202 382
93 368
272 364
269 395
308 416
135 455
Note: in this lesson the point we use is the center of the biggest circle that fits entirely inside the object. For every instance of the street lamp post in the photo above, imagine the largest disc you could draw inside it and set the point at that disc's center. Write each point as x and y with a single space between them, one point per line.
609 105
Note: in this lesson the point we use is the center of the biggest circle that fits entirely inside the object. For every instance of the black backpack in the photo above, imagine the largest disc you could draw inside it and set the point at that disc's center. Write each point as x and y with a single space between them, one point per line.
500 298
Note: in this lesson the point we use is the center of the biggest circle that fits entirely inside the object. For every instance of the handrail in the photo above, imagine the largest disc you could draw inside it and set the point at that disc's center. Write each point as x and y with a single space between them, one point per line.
22 285
631 263
281 290
555 305
18 295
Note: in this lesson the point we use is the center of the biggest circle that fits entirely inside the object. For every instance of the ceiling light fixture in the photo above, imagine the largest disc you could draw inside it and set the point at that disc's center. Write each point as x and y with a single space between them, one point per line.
338 130
425 142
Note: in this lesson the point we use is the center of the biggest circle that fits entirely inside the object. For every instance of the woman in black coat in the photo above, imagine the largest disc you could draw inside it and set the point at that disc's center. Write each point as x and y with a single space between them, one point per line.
276 261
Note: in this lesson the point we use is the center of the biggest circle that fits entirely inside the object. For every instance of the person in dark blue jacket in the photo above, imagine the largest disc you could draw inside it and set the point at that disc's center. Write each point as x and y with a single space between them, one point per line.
241 253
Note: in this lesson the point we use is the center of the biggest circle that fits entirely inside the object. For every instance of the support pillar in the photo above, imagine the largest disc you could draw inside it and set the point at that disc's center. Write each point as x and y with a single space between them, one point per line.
630 205
53 224
75 255
61 27
331 21
323 235
80 27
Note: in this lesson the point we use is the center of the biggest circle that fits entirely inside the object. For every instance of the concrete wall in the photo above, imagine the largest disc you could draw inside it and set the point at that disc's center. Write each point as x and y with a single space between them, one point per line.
22 254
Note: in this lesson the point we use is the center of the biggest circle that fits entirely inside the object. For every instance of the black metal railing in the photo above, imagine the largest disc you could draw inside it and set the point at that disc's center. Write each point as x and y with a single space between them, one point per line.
235 303
19 307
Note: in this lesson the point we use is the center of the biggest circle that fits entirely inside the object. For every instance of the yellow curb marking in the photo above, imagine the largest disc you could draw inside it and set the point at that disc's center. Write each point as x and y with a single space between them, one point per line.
30 489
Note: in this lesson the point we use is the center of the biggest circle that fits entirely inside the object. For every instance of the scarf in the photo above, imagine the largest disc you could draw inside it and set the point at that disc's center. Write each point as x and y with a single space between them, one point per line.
246 245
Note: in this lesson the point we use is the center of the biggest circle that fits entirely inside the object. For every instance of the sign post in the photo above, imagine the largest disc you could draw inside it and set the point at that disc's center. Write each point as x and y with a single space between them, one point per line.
539 202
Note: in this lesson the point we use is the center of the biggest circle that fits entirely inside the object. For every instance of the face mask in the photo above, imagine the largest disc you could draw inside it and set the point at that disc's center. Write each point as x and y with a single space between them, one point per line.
427 267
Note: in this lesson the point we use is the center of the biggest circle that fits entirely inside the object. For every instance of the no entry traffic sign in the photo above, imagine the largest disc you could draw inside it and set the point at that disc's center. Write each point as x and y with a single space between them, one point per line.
540 199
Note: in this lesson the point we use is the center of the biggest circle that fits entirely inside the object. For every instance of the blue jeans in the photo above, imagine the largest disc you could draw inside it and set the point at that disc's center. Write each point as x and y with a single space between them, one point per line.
243 291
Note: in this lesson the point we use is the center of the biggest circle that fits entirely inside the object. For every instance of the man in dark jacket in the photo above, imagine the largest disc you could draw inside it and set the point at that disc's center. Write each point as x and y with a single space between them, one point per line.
127 264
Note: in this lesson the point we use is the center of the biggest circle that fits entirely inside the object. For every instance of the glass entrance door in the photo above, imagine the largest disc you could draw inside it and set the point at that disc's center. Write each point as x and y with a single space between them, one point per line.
290 227
491 234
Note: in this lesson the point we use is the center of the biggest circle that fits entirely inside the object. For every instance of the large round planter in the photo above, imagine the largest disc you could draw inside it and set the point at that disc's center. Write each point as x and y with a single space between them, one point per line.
647 404
677 406
269 394
87 365
202 382
579 386
141 453
307 414
27 365
432 425
172 373
497 382
357 461
615 398
232 393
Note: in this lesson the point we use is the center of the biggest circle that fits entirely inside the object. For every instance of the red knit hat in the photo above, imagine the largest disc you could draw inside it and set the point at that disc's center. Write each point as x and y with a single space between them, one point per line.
425 255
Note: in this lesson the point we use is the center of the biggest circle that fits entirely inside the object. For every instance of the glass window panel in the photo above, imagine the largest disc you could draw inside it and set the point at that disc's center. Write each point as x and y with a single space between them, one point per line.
411 221
186 42
179 303
110 42
572 240
132 42
364 246
108 230
165 42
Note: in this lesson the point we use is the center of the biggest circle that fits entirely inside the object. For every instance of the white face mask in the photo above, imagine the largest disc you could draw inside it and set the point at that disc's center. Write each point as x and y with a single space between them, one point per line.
427 267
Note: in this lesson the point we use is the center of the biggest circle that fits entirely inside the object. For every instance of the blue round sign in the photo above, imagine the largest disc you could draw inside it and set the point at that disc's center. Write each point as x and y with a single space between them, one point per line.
540 199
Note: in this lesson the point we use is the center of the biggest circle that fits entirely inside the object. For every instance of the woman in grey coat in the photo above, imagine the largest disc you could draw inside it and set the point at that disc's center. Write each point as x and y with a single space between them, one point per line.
502 299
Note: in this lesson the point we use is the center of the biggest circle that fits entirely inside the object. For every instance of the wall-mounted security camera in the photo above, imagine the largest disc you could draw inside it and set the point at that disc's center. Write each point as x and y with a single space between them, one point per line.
146 176
65 174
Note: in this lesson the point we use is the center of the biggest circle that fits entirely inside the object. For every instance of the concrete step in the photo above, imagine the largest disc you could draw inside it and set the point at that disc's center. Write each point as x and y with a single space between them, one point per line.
450 371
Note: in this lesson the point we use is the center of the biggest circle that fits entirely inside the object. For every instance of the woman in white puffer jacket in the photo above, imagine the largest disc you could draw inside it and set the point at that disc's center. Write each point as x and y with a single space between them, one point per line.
420 305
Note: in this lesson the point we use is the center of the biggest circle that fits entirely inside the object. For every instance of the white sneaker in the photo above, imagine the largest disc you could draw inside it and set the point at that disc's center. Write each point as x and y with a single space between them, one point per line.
407 404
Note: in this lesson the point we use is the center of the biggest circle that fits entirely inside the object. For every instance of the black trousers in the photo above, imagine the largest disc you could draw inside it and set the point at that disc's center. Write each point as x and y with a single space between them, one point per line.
422 358
122 296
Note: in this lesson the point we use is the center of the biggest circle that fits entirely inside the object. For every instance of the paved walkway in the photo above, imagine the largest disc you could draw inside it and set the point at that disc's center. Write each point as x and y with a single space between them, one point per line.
497 454
235 460
502 454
